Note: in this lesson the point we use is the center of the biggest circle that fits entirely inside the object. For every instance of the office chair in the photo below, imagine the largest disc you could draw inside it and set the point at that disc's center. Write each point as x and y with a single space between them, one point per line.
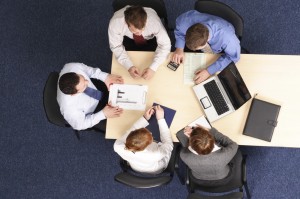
234 195
235 180
51 106
157 5
138 180
224 11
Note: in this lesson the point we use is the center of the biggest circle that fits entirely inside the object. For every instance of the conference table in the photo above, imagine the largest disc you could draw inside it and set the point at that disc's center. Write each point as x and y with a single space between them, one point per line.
274 78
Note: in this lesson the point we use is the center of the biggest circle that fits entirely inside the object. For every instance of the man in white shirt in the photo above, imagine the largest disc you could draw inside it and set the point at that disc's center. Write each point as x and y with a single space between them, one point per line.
141 28
82 109
137 147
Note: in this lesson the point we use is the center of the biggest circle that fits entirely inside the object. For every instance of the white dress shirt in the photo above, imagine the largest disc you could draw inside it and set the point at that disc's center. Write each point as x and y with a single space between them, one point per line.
78 109
118 28
155 157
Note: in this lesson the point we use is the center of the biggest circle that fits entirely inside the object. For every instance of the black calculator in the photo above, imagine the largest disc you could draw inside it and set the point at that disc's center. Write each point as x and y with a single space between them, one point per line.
173 66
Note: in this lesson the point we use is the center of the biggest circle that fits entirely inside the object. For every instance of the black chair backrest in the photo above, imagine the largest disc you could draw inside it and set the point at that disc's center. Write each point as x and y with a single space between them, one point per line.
50 103
139 180
157 5
233 180
224 11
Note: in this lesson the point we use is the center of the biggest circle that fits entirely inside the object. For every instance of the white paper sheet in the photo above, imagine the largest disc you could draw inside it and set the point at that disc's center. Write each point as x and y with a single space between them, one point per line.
192 62
128 96
201 121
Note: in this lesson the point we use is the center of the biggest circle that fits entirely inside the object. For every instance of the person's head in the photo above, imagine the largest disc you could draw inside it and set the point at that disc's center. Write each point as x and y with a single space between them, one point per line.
201 141
138 140
135 17
196 36
72 83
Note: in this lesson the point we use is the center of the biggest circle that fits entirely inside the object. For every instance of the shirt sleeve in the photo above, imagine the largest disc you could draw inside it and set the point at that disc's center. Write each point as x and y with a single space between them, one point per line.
115 36
119 144
165 137
163 45
227 145
180 32
94 72
232 51
80 121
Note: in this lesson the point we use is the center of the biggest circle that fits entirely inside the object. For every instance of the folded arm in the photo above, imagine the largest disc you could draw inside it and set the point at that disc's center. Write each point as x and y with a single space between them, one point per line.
227 145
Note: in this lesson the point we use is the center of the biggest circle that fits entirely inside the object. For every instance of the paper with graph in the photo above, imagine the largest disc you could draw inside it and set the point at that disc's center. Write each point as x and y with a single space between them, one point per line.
128 96
192 62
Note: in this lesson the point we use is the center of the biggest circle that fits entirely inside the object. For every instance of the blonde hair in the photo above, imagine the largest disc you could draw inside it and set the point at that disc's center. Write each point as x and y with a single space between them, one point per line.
138 140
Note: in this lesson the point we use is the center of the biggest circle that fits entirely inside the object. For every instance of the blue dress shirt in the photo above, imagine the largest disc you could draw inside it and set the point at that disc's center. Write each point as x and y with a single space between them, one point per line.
222 37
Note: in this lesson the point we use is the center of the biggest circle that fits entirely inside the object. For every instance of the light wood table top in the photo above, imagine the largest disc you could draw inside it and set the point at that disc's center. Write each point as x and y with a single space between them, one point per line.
274 77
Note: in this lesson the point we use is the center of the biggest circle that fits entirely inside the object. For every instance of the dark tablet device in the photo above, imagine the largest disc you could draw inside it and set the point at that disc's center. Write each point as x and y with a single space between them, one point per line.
173 66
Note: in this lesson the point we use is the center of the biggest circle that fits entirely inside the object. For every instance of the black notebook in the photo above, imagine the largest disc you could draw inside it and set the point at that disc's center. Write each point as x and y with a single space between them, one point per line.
261 120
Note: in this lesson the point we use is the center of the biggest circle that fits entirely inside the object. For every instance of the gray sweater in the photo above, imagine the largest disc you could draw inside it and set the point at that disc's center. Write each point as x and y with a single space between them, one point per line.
213 166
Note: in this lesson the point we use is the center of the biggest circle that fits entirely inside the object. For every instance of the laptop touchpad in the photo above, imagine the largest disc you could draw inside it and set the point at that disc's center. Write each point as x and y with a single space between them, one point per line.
205 102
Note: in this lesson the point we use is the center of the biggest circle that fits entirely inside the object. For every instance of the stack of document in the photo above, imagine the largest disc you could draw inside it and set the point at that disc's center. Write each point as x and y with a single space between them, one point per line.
192 63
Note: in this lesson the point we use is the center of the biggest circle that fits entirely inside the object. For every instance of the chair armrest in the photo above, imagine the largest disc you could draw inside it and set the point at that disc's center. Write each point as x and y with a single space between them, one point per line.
244 174
124 165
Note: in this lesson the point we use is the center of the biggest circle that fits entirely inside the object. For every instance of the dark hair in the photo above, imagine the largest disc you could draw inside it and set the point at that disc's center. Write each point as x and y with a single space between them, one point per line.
138 140
201 141
196 36
68 82
136 16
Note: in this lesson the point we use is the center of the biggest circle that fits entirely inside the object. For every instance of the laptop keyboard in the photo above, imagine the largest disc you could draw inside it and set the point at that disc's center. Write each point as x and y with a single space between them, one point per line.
216 97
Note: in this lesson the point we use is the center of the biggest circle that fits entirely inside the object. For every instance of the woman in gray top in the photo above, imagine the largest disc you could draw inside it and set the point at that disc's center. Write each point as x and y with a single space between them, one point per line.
208 154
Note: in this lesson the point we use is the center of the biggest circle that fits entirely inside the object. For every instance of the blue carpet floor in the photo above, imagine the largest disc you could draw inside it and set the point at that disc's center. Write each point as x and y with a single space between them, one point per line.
40 160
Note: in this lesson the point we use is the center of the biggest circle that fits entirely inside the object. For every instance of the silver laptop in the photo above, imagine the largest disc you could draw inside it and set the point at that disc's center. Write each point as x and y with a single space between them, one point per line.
222 94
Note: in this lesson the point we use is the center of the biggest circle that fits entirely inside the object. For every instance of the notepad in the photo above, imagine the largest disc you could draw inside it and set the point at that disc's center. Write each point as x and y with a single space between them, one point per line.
183 139
262 119
153 125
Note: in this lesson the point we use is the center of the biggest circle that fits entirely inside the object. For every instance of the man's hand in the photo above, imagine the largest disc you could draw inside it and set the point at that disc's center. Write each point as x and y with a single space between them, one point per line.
113 79
111 111
159 112
134 72
149 113
178 56
201 75
148 73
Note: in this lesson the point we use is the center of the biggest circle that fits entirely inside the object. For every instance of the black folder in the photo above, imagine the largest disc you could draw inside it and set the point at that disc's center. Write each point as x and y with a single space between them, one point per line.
261 120
153 125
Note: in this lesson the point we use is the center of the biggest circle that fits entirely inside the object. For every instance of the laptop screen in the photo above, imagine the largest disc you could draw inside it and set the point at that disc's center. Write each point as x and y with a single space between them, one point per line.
234 85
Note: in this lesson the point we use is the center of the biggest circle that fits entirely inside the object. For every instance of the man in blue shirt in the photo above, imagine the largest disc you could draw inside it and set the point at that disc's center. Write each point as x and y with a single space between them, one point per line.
210 34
